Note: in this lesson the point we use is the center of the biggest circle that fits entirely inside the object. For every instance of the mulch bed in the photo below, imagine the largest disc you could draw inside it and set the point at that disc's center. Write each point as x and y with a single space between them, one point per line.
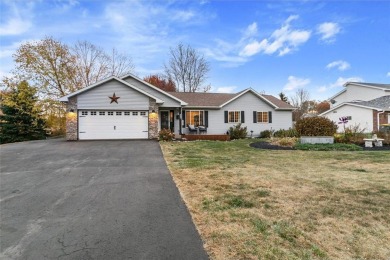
269 146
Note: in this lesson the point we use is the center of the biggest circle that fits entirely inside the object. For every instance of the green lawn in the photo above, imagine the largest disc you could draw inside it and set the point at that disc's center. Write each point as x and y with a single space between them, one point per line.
261 204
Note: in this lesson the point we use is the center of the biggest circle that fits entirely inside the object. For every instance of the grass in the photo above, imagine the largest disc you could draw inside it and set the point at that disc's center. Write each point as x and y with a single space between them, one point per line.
261 204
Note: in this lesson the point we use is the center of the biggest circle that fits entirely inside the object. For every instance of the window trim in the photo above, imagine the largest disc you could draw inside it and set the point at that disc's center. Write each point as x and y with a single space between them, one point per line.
238 118
201 122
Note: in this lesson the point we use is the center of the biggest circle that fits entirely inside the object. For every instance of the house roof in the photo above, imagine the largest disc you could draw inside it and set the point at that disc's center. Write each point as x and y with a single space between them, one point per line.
380 104
370 85
153 87
66 98
201 99
218 100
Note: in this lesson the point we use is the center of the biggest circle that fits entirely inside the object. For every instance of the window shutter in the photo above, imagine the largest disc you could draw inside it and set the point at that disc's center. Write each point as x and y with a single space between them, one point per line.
226 116
254 116
242 116
269 117
206 118
183 118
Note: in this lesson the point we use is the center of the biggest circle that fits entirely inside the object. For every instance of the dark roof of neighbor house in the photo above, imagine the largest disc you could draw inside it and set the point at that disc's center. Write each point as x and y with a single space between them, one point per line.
201 99
375 85
380 103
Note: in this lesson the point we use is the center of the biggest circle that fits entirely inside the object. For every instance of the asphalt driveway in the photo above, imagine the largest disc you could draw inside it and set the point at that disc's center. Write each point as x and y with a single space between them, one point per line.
92 200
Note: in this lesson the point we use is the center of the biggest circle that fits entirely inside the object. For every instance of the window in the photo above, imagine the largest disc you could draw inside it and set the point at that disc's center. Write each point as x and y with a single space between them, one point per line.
262 117
143 113
110 113
118 113
234 117
84 113
194 117
127 113
93 113
102 113
135 113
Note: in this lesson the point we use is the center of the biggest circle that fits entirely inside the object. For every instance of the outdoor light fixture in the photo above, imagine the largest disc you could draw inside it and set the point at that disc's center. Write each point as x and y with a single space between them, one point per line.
153 111
71 110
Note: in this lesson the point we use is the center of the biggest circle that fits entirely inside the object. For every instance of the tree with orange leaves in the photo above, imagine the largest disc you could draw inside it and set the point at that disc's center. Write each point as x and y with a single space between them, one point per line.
160 82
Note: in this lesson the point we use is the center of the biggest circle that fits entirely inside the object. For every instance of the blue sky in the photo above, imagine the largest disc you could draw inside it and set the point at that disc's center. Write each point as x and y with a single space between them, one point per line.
270 46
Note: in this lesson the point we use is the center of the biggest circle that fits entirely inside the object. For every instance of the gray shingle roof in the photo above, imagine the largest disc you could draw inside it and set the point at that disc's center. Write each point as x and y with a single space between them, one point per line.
200 99
379 103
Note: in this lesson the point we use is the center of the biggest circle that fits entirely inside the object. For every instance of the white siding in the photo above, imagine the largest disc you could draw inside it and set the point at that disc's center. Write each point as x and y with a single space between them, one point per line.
360 116
248 103
168 102
98 98
354 92
362 93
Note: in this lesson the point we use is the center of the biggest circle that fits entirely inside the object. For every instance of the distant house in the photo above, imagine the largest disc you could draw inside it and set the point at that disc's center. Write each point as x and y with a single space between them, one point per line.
130 108
366 105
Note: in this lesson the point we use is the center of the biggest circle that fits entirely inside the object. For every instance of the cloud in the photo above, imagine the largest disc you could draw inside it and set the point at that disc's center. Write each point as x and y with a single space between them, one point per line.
339 83
229 89
328 31
339 64
388 74
283 40
295 82
15 20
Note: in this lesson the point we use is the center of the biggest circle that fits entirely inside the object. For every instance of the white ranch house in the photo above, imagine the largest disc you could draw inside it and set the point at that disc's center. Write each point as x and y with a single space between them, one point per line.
130 108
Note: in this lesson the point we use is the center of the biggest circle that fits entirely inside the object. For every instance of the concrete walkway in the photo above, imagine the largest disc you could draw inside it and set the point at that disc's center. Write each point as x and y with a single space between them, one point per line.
92 200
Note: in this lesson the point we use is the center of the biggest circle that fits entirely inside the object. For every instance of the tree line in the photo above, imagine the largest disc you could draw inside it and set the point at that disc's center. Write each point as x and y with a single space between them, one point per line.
48 69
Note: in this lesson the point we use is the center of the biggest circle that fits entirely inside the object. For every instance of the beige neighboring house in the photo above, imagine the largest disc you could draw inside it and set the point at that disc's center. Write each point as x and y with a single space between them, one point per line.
364 104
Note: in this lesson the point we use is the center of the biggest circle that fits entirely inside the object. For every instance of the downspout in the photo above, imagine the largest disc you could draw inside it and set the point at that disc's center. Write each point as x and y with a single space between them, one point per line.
377 127
180 121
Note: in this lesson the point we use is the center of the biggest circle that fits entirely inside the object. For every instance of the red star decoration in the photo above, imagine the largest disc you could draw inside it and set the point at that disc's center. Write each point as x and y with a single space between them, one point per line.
114 98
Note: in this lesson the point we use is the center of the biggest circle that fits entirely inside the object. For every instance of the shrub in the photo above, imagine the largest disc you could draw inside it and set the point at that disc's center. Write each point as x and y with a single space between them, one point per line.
352 134
286 133
166 135
315 126
265 134
285 141
238 132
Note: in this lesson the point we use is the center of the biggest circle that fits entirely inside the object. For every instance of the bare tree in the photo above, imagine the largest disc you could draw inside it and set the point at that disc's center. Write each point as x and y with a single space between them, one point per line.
187 68
120 64
92 62
300 101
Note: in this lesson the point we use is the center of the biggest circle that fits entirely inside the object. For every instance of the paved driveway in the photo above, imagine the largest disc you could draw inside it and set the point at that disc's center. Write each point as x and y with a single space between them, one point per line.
92 200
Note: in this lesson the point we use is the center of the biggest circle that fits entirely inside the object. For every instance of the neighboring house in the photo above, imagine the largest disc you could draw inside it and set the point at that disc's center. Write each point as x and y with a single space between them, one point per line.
130 108
366 105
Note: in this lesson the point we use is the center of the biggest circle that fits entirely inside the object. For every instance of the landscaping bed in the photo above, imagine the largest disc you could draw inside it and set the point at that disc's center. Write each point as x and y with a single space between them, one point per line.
319 147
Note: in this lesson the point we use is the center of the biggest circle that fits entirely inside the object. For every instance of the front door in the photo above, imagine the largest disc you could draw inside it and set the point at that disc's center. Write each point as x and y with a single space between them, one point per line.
167 120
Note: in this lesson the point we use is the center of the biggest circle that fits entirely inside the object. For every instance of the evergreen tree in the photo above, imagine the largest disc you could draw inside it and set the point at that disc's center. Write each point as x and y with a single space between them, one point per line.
20 119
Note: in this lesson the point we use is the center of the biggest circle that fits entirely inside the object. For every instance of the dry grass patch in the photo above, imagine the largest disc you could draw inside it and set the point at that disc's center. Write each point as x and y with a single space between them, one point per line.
260 204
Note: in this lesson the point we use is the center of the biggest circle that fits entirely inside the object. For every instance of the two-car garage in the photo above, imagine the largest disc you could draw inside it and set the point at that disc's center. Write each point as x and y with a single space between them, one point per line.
106 124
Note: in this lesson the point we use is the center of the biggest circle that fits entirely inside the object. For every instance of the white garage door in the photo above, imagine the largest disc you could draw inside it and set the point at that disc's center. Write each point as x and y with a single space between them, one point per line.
113 125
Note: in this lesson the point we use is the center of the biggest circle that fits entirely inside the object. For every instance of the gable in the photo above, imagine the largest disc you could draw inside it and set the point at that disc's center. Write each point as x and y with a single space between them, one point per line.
169 100
250 102
98 97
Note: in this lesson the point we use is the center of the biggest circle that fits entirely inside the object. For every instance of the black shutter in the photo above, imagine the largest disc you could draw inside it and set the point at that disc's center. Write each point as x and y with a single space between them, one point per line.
206 118
183 118
226 116
269 117
254 116
242 116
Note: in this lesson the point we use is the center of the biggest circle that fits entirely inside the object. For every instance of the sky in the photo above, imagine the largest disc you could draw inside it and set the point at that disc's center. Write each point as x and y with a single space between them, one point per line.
269 46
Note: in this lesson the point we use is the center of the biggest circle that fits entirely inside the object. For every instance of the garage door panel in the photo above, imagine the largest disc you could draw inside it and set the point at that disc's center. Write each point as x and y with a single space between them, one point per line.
113 126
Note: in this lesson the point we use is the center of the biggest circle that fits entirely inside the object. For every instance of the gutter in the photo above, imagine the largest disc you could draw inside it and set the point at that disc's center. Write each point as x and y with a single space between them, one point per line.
383 111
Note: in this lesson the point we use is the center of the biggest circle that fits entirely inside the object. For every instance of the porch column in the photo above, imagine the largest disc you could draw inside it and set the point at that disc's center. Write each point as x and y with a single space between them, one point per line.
153 119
